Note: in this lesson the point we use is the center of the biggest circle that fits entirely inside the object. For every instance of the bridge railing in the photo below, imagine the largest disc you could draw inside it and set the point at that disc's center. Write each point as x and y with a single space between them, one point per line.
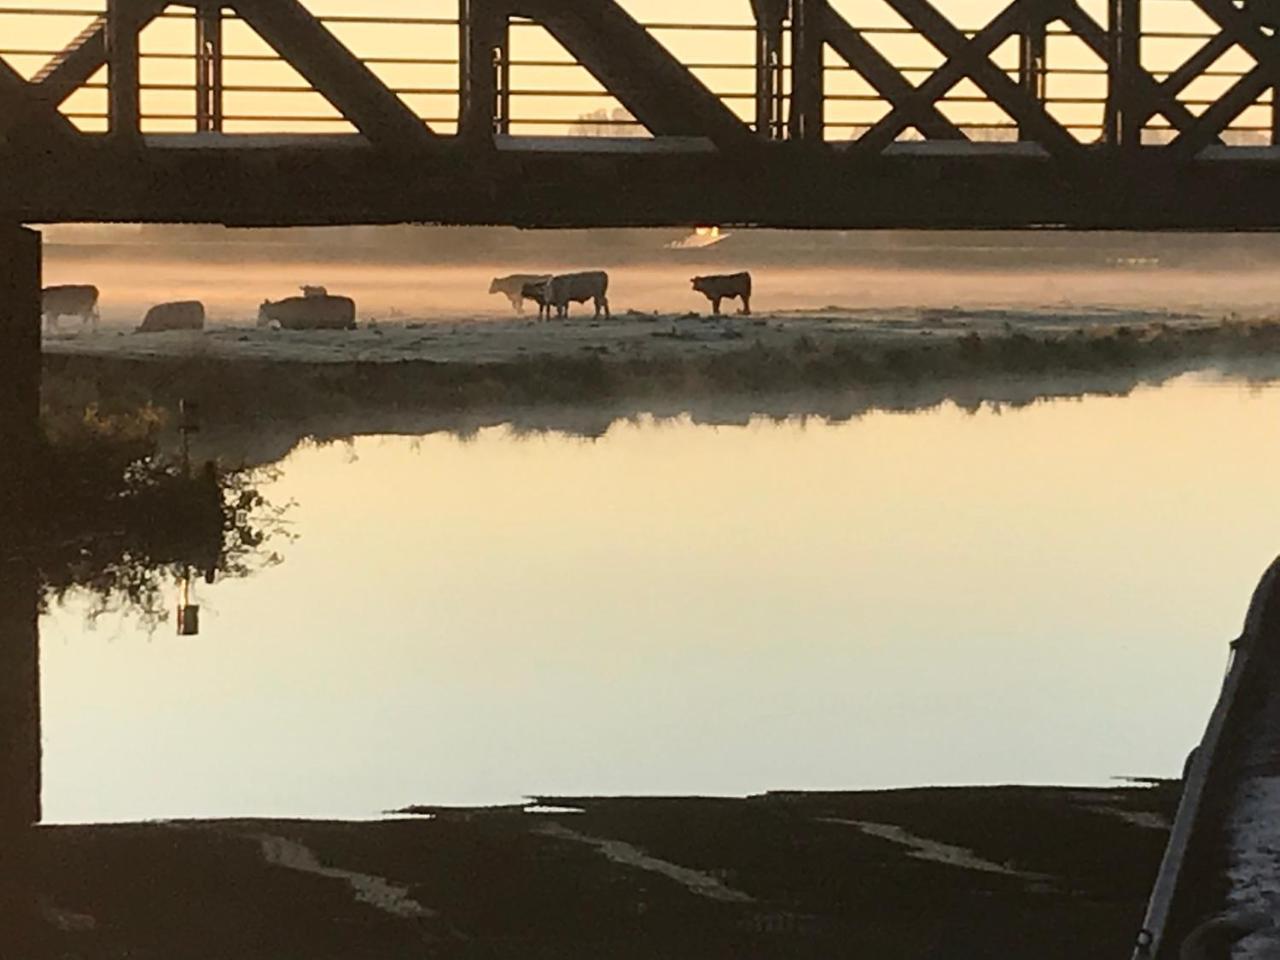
1185 74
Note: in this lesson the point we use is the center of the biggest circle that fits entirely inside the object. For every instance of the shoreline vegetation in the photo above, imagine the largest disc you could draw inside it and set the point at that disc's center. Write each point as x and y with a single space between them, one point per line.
582 388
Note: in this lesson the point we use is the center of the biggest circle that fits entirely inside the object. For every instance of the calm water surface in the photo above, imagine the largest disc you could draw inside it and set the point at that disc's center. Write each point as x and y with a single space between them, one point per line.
1041 595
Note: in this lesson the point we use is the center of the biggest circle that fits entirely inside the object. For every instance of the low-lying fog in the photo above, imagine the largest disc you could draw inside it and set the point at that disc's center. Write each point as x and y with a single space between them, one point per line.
791 272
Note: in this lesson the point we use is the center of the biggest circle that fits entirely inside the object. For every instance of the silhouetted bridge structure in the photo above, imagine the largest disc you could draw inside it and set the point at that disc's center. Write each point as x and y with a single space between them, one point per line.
798 113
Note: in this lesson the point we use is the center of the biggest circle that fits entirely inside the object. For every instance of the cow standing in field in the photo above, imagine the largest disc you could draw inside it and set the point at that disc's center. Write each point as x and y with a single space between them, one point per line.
537 292
513 288
182 315
309 313
725 287
570 288
69 301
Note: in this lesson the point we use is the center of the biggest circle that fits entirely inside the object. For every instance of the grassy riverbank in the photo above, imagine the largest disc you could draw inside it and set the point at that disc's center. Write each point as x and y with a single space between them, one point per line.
878 365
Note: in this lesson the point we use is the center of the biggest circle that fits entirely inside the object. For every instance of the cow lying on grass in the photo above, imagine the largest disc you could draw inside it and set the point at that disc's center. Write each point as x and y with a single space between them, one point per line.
725 287
182 315
309 313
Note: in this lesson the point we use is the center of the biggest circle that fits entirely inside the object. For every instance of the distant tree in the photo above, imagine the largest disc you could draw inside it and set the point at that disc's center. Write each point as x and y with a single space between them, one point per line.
618 122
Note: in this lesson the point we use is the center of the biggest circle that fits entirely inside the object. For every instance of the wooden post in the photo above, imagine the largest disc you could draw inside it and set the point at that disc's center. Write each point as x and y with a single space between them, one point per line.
807 46
209 98
1032 73
124 106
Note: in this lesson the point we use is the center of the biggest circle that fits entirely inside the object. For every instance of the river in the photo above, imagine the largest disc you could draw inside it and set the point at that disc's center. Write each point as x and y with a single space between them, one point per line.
1032 595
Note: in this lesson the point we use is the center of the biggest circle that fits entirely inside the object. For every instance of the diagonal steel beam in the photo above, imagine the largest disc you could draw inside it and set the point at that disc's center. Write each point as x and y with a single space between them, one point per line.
1029 114
1004 25
333 70
1209 126
1242 27
878 71
1157 97
22 112
639 71
84 56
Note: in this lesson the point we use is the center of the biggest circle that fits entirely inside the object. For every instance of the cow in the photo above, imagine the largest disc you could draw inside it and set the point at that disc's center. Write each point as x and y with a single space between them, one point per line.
309 313
182 315
725 287
537 292
69 301
513 287
570 288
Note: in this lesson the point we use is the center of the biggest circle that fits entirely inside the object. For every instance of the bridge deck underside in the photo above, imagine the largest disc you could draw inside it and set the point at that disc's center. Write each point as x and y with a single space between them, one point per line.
288 184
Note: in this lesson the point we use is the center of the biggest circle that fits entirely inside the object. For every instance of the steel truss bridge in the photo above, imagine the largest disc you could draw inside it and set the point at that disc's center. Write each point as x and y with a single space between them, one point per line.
1045 113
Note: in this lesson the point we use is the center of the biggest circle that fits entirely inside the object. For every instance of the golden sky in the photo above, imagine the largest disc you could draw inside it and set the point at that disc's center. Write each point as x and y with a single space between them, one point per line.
430 89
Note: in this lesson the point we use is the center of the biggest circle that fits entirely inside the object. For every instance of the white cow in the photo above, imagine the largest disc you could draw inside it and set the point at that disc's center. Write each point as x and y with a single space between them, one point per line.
570 288
513 287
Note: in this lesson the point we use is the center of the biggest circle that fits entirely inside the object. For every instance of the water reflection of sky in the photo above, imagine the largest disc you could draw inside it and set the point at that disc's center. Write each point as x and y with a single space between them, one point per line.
1042 595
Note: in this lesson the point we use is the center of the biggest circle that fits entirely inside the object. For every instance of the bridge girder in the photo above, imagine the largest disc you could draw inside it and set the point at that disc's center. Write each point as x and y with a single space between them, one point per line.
706 164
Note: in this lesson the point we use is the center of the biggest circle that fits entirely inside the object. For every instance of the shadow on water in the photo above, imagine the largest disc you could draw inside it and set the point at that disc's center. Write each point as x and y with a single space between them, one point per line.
96 510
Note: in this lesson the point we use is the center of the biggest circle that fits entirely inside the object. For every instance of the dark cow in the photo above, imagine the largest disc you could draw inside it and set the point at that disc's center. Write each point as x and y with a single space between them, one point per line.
309 313
70 301
725 287
181 315
570 288
537 292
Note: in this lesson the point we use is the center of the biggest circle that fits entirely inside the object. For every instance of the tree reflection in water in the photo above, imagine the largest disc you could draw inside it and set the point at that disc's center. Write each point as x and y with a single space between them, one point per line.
119 522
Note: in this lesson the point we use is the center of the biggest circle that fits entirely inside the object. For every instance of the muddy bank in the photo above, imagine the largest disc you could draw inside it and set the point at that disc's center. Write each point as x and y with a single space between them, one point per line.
259 400
967 872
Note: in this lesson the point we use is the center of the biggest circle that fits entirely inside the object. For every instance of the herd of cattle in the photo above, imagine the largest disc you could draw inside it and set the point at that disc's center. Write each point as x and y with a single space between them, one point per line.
317 309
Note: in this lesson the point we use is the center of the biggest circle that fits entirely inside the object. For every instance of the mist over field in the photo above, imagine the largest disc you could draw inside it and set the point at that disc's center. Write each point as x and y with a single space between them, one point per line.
443 273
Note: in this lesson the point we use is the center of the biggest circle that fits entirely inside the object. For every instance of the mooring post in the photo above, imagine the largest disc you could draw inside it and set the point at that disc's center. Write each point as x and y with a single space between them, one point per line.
209 96
807 46
1032 44
124 98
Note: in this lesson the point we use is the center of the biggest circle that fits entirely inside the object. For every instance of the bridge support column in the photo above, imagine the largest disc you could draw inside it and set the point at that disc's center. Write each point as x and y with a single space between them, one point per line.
1123 121
807 84
484 56
124 98
1032 73
209 68
19 650
770 70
